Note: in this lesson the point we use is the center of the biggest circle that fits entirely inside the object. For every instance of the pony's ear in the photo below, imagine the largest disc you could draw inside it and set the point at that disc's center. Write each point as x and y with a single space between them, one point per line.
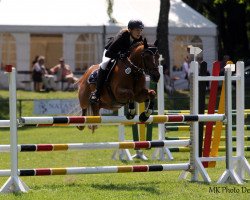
156 43
145 43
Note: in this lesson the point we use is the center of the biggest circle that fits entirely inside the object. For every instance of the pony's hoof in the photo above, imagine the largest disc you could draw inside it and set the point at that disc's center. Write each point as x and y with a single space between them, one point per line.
80 128
143 117
129 116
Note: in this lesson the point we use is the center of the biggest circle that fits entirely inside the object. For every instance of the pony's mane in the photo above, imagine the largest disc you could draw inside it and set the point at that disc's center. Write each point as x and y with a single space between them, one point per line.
135 45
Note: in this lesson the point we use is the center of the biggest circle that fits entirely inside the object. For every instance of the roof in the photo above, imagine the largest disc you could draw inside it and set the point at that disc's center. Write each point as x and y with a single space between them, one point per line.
81 13
53 12
180 14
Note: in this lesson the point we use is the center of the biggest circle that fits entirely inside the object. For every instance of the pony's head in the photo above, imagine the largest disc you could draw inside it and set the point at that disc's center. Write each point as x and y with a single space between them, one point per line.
146 57
150 56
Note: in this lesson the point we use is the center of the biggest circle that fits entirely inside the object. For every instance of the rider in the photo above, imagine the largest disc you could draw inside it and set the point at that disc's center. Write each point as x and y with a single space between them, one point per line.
117 48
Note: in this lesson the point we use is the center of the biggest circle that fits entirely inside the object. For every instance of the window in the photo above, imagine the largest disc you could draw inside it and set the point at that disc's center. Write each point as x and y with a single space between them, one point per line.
7 50
85 51
48 45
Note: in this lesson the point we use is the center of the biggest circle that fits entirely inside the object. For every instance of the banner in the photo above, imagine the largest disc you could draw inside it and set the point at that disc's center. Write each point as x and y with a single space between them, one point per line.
56 106
61 107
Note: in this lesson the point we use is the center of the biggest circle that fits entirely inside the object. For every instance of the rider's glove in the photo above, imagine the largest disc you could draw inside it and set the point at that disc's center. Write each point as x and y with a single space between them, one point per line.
122 56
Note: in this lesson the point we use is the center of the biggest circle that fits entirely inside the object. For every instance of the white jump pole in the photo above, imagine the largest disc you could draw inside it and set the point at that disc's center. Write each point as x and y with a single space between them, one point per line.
4 123
123 154
196 166
161 127
229 176
14 183
242 164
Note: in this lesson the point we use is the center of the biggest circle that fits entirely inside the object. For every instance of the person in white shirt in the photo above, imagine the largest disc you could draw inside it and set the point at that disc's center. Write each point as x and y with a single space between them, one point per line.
186 68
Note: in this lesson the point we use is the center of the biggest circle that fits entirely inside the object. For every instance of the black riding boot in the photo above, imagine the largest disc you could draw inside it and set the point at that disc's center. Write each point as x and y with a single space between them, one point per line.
95 96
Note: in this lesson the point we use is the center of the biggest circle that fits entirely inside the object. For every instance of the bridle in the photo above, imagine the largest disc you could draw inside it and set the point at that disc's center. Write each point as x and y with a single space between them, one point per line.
152 51
144 70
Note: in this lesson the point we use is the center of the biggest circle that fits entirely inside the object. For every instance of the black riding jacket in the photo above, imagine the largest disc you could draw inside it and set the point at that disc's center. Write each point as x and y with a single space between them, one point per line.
120 44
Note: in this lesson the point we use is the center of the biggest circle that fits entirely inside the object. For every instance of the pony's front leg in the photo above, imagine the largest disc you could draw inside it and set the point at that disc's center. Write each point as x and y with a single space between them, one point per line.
146 114
150 97
131 110
127 95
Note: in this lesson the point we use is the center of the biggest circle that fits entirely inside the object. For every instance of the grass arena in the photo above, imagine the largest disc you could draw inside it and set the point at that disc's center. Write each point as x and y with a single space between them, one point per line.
133 186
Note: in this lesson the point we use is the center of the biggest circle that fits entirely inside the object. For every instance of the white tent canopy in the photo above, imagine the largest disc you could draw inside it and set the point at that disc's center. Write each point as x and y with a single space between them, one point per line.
82 13
69 19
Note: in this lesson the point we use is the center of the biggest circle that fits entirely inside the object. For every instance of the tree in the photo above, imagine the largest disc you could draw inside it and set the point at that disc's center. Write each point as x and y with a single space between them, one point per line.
110 11
162 32
232 18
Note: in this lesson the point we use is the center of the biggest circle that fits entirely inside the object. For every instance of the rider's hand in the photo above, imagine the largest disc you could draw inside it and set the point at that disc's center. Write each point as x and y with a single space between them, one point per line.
122 56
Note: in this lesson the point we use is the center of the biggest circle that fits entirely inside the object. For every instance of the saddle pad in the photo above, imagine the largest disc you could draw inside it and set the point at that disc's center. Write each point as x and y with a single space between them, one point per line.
93 77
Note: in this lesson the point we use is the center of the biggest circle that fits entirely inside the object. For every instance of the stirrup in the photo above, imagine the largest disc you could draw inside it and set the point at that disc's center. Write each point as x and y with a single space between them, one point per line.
93 98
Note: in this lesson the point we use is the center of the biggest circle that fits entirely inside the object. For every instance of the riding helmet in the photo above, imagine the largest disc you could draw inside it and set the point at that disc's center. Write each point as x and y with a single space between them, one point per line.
132 24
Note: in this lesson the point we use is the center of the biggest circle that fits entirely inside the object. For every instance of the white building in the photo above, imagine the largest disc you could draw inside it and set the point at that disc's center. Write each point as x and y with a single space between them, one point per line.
78 30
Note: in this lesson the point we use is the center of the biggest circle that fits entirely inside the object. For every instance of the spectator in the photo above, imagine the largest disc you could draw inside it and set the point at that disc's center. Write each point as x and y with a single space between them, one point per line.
49 80
223 63
185 67
37 73
64 73
200 61
168 82
42 77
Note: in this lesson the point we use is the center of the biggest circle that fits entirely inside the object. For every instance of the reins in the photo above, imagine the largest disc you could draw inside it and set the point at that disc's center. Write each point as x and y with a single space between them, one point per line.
141 70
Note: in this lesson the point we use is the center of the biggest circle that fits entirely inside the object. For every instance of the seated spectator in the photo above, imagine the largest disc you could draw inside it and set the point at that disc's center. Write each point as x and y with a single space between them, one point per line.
49 80
41 77
63 73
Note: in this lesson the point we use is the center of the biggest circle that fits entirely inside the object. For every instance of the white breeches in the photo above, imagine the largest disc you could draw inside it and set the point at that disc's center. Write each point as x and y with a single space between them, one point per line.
105 60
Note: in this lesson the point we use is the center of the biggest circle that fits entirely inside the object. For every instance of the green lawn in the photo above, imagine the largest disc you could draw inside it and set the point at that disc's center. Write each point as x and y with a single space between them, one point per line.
153 185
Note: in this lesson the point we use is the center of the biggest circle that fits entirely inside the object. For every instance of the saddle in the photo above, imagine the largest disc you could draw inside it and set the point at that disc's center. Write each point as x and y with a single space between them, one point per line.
94 75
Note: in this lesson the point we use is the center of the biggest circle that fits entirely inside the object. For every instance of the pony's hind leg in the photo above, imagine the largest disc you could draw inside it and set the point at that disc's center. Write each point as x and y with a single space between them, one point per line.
83 114
131 111
95 112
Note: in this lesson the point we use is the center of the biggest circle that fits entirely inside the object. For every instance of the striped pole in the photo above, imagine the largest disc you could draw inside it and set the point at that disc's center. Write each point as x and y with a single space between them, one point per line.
104 145
86 120
220 148
246 138
246 111
187 128
98 170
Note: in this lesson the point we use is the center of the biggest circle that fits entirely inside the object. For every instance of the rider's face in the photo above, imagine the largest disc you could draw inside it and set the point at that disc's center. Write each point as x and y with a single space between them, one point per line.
136 33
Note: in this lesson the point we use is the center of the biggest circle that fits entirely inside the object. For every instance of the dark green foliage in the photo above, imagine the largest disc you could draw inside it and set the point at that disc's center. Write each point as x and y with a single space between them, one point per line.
233 21
4 108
